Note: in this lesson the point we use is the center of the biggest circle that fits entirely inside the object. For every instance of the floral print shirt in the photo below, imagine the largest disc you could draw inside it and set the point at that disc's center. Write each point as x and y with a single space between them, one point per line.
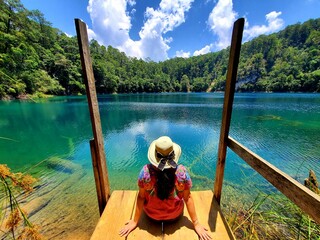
169 208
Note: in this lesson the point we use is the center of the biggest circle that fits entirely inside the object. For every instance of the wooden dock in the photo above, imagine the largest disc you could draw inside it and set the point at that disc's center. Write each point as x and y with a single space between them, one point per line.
120 209
117 210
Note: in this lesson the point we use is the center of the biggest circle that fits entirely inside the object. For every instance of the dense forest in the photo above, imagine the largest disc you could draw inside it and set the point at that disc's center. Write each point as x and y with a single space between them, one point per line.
37 59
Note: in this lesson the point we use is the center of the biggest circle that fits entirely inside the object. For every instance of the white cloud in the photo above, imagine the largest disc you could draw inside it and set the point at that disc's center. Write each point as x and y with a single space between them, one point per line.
111 24
69 35
131 2
91 34
182 54
133 11
169 15
202 51
220 21
274 24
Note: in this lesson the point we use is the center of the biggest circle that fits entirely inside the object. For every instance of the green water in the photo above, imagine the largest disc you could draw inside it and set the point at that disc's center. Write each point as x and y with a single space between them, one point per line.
282 128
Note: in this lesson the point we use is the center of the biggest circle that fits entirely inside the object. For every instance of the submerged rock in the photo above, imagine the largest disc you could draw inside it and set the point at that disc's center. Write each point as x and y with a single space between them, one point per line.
62 165
268 117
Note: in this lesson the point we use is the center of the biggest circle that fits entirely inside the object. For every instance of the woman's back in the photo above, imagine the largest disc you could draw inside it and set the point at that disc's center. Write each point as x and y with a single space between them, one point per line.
164 202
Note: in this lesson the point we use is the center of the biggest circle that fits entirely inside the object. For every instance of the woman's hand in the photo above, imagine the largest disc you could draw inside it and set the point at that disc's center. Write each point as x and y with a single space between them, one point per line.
202 232
128 228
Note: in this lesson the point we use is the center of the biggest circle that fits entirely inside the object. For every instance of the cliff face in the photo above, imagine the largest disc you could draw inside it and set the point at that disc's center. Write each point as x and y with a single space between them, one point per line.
251 79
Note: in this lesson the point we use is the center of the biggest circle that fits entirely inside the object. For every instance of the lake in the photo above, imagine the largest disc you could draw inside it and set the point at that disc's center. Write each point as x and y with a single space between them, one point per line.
50 139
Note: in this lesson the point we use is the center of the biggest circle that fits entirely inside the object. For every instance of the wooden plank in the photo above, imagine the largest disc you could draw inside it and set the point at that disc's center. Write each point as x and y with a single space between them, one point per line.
120 209
182 229
117 212
227 106
303 197
101 166
209 215
146 229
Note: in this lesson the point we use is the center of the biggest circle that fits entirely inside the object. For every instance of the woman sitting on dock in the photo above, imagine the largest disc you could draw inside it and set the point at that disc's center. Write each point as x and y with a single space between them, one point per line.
164 187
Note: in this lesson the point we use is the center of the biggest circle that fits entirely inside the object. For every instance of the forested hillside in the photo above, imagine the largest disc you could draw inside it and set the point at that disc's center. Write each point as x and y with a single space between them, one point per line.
37 59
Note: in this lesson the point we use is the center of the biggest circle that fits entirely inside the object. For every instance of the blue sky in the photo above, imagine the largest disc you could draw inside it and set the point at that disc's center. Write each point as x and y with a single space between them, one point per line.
162 29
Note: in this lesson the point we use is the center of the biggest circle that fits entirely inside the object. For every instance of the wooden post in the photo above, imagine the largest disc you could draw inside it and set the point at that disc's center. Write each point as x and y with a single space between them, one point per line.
97 144
227 106
96 175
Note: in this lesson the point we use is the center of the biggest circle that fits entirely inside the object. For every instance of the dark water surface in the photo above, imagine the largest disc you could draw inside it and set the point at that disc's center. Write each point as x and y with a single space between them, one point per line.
50 140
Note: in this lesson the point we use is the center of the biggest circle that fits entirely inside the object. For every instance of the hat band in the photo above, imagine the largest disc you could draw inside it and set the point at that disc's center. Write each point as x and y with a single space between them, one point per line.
166 160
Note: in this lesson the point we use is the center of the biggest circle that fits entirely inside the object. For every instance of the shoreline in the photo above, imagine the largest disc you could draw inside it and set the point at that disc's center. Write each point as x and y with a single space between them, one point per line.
40 96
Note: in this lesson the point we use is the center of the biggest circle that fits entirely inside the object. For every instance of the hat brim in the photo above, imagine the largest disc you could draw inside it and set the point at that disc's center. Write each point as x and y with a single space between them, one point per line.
152 157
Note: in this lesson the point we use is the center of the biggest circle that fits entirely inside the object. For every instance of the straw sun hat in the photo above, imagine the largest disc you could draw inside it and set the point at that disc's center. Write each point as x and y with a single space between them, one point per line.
163 153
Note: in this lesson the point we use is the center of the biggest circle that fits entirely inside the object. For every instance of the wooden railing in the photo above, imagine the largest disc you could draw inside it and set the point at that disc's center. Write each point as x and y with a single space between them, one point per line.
307 200
303 197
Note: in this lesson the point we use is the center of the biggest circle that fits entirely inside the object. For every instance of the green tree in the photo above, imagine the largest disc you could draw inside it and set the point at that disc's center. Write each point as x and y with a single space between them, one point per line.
199 85
185 83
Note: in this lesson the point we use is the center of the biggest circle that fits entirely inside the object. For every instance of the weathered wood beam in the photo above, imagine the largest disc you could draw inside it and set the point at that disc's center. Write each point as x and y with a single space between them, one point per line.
303 197
95 168
97 144
227 106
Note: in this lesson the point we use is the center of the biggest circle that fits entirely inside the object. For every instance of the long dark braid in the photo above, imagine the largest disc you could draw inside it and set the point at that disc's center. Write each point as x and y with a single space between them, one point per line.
165 182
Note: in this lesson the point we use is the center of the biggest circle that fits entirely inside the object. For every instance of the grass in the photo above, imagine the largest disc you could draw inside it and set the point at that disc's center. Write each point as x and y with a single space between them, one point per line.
14 222
266 216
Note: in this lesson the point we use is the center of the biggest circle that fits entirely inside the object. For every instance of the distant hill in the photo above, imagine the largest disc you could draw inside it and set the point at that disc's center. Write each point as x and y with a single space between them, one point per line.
37 60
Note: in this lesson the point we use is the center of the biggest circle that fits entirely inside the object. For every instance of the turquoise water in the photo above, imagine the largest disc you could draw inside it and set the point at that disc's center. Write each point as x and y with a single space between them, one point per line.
282 128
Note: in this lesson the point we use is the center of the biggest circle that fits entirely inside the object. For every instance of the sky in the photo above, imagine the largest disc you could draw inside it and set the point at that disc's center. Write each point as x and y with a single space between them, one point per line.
164 29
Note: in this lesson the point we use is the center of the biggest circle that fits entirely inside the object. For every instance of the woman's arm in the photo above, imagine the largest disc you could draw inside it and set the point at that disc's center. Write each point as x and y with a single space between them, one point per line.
132 224
200 230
